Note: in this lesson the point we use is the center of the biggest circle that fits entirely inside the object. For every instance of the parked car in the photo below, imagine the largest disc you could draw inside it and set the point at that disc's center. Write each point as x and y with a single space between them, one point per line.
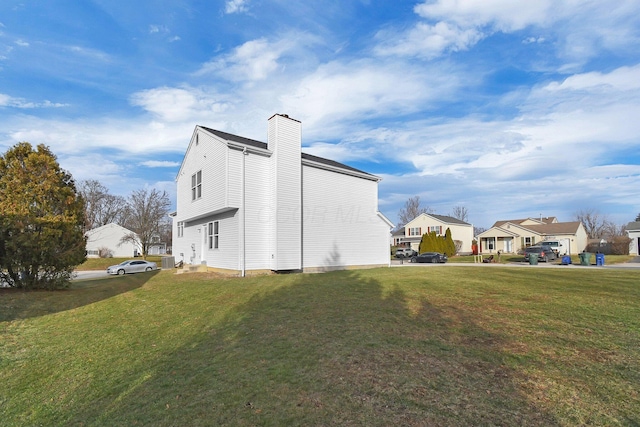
545 254
405 253
433 257
132 266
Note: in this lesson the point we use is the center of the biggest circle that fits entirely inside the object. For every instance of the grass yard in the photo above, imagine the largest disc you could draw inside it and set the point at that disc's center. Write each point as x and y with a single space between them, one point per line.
395 346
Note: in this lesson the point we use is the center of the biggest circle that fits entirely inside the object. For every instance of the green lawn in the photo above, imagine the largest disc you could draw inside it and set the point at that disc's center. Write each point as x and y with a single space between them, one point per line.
394 346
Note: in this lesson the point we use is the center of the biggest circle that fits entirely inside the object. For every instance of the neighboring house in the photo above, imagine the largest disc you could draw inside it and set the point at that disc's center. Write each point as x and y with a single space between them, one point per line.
425 223
156 246
108 238
633 231
512 236
249 206
397 238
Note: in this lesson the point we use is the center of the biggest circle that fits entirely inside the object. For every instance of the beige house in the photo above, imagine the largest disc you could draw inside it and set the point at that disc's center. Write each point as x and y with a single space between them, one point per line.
512 236
425 223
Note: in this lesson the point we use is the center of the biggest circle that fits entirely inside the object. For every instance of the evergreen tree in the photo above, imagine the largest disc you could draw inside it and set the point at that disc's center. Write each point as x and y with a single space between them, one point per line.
41 220
449 245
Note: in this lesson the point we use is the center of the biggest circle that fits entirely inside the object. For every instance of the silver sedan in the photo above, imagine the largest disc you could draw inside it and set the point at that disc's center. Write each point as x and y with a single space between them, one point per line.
132 266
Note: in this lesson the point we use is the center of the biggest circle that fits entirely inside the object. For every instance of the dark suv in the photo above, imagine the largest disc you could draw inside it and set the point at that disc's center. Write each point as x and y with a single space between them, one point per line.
544 254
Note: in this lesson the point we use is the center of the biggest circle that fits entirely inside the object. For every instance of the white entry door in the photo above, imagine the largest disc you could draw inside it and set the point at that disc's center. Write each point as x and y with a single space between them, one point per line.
508 244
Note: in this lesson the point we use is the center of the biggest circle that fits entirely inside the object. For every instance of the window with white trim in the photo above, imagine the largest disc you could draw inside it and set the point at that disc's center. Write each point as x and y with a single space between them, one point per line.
436 228
180 228
415 231
213 234
196 185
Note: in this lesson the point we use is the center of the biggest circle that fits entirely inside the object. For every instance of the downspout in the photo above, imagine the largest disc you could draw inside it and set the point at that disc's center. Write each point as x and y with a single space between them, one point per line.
243 218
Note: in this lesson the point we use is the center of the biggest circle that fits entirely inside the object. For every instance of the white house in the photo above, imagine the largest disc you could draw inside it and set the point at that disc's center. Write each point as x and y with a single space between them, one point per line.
425 223
106 239
249 206
633 231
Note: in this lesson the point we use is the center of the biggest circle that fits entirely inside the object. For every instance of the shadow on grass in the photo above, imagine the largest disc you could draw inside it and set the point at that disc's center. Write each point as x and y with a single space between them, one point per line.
21 304
328 349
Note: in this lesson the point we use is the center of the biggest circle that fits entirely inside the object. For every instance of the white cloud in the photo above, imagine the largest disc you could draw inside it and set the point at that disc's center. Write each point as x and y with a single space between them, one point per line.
153 29
236 6
159 164
504 15
427 40
254 60
8 101
180 104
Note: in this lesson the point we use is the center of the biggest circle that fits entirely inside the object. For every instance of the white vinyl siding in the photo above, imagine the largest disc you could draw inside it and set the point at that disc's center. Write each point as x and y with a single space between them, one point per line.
284 140
341 228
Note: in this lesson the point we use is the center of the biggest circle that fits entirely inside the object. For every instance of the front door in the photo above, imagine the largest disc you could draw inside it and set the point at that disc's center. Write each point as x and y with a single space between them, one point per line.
508 244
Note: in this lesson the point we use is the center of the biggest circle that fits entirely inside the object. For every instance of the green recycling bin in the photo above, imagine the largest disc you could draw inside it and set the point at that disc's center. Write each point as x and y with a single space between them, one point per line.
533 259
585 258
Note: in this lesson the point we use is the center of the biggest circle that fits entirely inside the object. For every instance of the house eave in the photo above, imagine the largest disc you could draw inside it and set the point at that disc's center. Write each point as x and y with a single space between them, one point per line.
209 213
363 175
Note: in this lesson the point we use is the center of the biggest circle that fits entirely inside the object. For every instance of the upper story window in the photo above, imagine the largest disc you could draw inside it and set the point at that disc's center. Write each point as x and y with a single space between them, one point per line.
436 228
180 228
415 231
196 185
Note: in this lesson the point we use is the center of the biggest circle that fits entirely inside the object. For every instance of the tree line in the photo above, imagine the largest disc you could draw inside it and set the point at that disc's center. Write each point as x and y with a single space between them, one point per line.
44 216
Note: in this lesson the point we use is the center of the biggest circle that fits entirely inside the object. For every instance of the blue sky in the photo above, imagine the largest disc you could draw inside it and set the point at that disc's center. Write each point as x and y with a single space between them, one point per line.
509 108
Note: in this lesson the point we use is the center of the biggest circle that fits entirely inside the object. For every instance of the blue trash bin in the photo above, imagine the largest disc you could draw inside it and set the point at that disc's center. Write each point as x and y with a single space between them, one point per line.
599 259
566 260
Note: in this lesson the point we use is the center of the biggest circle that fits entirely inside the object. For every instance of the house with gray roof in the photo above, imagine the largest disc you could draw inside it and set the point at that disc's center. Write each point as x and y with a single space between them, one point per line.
246 206
513 236
424 223
633 231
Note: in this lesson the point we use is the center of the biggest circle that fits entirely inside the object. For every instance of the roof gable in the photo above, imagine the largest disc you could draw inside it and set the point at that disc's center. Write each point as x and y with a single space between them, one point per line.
441 218
330 164
527 221
112 227
635 225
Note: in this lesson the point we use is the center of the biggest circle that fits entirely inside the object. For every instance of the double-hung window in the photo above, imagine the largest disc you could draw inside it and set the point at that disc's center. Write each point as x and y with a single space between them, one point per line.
180 228
196 185
213 234
414 231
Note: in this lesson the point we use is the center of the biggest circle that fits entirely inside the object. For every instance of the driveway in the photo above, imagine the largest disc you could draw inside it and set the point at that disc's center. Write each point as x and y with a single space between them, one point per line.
90 274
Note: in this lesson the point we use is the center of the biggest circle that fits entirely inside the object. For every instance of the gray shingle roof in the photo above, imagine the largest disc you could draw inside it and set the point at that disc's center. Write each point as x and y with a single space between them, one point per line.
634 225
449 219
253 143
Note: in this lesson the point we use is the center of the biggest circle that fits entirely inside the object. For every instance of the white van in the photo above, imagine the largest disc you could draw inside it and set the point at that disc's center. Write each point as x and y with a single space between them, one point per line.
559 246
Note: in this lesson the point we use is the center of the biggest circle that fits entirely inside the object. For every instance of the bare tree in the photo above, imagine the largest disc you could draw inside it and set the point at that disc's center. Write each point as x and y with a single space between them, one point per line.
478 230
101 207
460 212
411 209
594 222
146 214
